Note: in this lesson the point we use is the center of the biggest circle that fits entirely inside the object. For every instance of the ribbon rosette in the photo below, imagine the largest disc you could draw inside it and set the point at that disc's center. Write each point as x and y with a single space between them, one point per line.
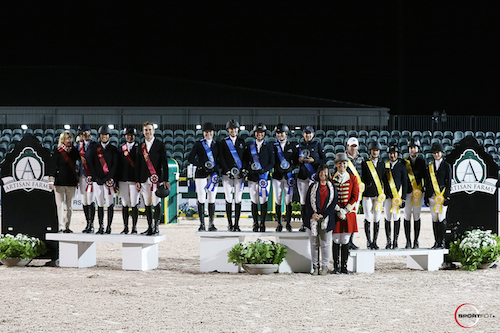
263 187
89 187
214 179
154 180
416 195
396 202
361 187
110 183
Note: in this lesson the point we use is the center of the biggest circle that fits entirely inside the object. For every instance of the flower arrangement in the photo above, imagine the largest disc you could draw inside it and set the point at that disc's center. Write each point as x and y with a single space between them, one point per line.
258 252
476 248
187 210
21 246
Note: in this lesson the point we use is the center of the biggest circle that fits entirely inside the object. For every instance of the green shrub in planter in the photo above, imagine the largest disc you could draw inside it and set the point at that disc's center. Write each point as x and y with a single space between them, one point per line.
258 252
21 246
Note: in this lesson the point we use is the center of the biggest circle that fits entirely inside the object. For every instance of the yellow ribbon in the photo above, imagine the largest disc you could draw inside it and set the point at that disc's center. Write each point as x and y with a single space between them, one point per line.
439 199
356 173
378 184
416 194
396 195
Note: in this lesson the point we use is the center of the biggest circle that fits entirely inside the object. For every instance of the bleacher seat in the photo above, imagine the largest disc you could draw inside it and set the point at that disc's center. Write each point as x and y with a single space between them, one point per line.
4 147
339 149
58 132
403 148
426 134
492 150
341 133
297 133
406 134
352 133
458 135
179 148
337 141
429 157
271 140
446 142
221 134
49 131
190 139
362 149
242 134
363 134
5 138
426 149
330 155
384 156
382 140
178 132
455 142
406 155
479 135
327 141
178 140
392 141
114 141
416 134
497 142
488 143
328 148
468 133
16 138
402 141
7 131
249 139
374 134
425 141
448 135
395 134
448 150
385 134
489 135
364 155
93 132
168 139
189 133
169 148
178 156
17 131
331 133
437 134
319 134
169 132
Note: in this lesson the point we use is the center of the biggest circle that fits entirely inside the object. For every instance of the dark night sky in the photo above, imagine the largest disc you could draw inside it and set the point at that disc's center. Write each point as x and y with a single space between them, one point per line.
413 57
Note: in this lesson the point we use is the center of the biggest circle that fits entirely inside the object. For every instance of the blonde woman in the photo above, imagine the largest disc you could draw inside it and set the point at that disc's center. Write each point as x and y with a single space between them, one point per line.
63 178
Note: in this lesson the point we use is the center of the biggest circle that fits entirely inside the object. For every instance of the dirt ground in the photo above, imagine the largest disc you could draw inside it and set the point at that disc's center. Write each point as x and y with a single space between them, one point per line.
176 297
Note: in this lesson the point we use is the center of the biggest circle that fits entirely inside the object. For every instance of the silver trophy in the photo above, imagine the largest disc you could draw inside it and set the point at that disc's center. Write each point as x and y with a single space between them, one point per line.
306 153
235 172
255 166
209 164
285 165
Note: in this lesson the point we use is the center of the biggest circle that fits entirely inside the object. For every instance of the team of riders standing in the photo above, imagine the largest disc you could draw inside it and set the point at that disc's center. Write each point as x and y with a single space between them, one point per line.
329 199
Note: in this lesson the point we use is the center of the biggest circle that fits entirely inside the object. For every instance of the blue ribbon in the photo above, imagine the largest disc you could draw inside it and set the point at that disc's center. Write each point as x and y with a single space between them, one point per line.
283 162
255 156
210 155
233 152
291 182
263 184
308 166
214 179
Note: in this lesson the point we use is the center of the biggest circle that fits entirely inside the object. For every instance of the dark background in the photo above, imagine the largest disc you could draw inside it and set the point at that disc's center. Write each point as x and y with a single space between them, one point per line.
414 57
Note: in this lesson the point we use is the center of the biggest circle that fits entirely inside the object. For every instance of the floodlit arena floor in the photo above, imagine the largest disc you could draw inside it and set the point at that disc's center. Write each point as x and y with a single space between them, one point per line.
176 297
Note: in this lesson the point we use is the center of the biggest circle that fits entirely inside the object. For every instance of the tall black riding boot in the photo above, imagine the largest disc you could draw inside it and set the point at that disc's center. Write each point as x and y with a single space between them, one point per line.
279 227
442 235
149 218
416 228
211 216
157 218
100 217
135 217
125 215
352 246
255 217
336 259
229 214
111 211
397 227
86 213
344 253
303 214
288 217
388 234
407 226
263 215
367 234
201 214
376 228
237 213
435 228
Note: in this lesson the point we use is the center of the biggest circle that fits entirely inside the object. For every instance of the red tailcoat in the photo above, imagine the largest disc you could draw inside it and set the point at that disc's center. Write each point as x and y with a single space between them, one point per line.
348 193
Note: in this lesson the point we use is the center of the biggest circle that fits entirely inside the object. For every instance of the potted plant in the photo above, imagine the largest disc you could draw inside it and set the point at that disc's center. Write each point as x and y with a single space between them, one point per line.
258 257
477 249
19 250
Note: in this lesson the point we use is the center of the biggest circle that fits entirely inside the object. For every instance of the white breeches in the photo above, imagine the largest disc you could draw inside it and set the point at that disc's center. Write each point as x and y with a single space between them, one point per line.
64 197
202 192
395 215
278 187
256 195
320 244
103 192
303 186
129 194
233 186
87 196
436 216
369 204
342 238
148 194
413 209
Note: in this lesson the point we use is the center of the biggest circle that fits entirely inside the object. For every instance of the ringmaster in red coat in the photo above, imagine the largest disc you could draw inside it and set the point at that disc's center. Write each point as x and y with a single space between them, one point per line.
348 191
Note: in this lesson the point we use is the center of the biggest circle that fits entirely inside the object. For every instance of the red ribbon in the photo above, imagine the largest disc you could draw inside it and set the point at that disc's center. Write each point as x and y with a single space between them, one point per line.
85 165
100 155
127 155
151 168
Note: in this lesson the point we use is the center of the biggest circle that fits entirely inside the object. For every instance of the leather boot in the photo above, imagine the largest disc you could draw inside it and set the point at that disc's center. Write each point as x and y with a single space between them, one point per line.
157 217
442 235
369 244
416 228
111 211
263 215
149 218
435 226
135 217
397 227
211 216
86 213
279 227
125 215
201 214
288 217
336 259
255 217
352 246
388 234
237 213
100 217
302 213
344 253
376 228
229 214
407 226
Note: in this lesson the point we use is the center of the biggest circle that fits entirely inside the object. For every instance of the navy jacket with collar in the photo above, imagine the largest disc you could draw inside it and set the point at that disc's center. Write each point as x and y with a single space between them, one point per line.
266 159
198 157
291 154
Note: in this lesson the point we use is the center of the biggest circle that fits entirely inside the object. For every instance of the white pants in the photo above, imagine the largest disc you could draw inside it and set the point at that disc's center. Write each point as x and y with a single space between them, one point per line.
149 195
254 190
102 193
415 210
64 197
395 215
303 186
233 186
202 193
129 194
342 238
369 204
278 187
320 244
87 197
436 216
